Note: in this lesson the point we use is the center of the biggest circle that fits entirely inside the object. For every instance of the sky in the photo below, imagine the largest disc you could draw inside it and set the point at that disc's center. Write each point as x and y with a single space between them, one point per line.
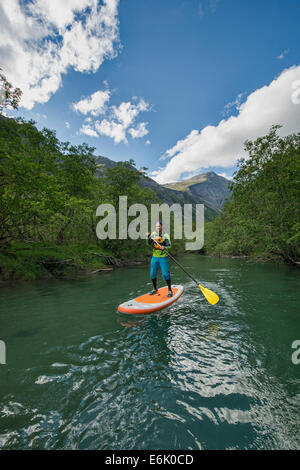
178 86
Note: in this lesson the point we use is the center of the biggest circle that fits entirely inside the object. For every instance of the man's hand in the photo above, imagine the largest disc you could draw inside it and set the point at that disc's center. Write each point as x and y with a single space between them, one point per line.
148 234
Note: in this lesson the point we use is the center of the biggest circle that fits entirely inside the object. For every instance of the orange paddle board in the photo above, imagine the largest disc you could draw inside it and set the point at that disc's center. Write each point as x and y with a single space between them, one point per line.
151 303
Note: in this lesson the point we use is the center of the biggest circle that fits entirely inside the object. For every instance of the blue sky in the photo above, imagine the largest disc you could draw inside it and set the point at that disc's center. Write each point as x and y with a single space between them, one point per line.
165 74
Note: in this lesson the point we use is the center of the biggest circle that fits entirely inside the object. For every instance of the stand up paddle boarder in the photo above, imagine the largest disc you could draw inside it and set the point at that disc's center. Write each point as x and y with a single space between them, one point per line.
159 257
157 299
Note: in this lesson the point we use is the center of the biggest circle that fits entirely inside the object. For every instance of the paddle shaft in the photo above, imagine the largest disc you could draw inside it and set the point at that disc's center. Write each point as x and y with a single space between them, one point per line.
170 256
210 296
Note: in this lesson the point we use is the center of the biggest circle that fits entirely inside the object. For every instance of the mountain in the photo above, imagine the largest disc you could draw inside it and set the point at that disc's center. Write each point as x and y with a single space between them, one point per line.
168 195
186 192
209 187
103 163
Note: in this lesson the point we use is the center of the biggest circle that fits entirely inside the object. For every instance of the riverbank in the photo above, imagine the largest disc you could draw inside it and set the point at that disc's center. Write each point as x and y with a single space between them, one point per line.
36 261
261 218
21 261
31 261
256 258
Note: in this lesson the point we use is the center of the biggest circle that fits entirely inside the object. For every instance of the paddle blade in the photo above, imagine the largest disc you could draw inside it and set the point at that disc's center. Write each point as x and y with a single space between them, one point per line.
210 296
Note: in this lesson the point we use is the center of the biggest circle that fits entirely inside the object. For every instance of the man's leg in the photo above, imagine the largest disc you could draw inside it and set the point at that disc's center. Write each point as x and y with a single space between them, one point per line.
164 266
153 273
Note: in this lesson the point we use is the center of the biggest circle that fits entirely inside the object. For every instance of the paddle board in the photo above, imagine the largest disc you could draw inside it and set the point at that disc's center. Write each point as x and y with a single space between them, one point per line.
151 303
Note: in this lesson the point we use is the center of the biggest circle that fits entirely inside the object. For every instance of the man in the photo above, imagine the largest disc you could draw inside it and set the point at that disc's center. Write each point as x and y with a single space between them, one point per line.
160 257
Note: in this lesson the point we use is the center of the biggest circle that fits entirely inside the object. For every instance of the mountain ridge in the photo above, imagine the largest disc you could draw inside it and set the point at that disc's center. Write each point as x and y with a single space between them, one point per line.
172 195
210 187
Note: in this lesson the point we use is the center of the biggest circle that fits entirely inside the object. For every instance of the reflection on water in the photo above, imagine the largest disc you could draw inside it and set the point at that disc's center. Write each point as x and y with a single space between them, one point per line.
79 375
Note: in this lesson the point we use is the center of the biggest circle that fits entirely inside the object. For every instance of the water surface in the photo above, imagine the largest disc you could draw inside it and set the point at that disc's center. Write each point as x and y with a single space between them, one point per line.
79 375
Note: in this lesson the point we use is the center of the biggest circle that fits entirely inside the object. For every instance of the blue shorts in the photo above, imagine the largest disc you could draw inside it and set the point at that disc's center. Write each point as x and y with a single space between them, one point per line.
163 263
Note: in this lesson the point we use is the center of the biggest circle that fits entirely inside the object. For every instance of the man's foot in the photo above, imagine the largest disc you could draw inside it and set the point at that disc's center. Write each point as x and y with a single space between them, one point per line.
153 292
170 293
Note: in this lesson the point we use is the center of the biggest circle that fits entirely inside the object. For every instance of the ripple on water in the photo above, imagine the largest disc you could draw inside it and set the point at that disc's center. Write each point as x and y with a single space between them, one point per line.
190 377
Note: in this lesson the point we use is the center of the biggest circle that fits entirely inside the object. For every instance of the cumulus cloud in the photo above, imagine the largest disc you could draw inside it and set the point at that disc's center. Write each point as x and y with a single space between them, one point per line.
41 40
140 131
94 104
59 13
121 117
233 105
87 130
112 129
283 54
222 145
67 125
117 121
126 112
228 177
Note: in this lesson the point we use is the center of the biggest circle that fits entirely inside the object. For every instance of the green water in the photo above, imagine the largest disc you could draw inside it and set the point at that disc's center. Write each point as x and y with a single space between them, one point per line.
79 375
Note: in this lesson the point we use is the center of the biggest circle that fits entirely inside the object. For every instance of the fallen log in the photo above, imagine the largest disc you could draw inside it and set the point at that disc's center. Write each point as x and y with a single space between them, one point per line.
64 261
100 270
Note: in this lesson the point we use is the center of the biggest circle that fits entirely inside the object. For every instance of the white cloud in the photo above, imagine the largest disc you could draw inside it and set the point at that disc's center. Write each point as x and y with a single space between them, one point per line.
233 104
87 130
120 118
59 13
41 40
94 104
67 125
126 112
225 176
148 142
112 129
222 145
283 54
139 131
182 145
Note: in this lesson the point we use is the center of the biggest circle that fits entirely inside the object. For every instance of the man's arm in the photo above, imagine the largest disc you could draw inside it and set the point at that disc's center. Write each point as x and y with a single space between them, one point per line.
167 241
149 240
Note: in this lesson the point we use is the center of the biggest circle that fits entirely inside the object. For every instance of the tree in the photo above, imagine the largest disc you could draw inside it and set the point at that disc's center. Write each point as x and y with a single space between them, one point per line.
263 215
143 170
9 96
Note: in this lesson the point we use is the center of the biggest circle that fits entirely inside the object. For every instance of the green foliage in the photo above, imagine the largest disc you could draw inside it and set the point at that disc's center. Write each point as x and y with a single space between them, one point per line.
9 96
49 193
26 261
44 184
262 218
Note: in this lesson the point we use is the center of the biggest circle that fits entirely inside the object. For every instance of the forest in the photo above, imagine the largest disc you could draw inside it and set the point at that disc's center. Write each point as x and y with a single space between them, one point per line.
262 218
50 190
49 193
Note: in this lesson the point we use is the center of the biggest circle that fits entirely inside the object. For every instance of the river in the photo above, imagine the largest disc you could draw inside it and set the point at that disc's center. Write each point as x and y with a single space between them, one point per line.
80 375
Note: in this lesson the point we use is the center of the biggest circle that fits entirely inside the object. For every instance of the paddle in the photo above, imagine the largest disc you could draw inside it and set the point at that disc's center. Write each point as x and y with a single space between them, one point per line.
210 296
